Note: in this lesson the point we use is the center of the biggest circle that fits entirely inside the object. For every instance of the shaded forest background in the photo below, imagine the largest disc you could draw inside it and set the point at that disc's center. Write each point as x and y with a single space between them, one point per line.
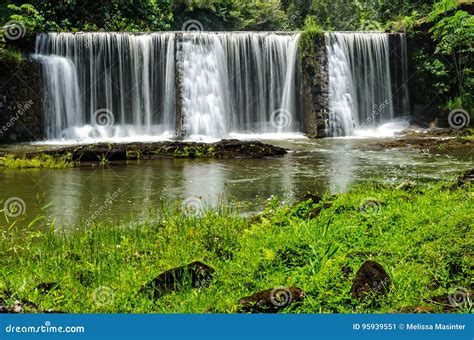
271 15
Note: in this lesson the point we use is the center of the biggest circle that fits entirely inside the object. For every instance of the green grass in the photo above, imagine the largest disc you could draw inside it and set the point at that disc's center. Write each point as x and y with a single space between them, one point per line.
40 161
422 237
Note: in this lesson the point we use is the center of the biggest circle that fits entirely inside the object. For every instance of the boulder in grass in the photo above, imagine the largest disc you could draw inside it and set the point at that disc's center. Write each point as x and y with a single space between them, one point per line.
14 308
315 212
193 275
313 199
3 306
371 280
18 306
466 178
270 300
406 186
46 287
346 271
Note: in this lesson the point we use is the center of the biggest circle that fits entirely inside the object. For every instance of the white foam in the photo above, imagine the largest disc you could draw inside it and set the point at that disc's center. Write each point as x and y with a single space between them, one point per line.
267 136
89 134
386 130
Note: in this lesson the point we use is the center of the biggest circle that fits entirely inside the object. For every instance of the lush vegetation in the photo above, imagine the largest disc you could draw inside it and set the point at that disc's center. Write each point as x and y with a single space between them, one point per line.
446 64
145 15
422 235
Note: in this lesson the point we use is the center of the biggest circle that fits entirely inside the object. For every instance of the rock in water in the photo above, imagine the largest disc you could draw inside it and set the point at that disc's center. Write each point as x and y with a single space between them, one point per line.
270 300
371 280
193 275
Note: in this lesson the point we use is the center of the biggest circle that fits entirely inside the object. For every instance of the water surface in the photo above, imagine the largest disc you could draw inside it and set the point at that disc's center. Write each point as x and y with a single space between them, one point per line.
127 191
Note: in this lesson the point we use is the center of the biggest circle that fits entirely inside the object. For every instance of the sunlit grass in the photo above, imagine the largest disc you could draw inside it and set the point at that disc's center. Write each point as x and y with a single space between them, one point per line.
423 237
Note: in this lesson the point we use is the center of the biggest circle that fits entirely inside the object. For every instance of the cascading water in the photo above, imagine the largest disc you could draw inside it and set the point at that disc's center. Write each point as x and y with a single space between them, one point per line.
123 85
360 87
239 82
263 81
62 95
204 79
341 85
230 82
125 81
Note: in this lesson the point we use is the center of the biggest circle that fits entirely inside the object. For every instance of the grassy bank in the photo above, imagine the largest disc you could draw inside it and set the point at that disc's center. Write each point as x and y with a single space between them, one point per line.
422 236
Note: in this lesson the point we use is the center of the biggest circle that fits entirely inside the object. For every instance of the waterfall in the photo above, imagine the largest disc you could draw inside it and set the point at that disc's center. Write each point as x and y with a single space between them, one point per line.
239 82
148 86
205 86
262 79
62 96
125 81
230 83
360 88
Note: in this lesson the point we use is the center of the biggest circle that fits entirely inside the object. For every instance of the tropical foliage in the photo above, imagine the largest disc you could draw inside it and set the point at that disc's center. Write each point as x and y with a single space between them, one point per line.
133 15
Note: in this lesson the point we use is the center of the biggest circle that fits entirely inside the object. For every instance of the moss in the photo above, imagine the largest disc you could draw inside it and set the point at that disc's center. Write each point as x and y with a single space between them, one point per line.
39 161
211 151
181 153
308 45
194 152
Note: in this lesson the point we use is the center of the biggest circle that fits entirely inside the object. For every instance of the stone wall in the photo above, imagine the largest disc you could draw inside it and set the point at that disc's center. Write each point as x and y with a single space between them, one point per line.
178 67
21 106
315 78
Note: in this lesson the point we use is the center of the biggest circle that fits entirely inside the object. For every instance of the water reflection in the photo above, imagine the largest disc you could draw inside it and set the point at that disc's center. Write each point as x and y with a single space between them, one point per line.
204 180
120 192
341 169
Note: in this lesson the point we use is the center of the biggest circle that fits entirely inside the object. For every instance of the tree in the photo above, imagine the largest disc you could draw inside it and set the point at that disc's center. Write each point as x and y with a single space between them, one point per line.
104 15
453 33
